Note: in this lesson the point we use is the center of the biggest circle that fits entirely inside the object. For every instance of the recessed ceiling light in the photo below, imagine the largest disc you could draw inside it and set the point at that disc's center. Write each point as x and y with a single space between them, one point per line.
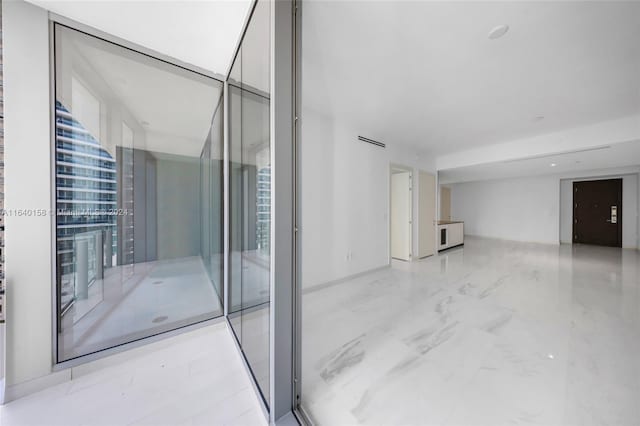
538 118
553 164
498 31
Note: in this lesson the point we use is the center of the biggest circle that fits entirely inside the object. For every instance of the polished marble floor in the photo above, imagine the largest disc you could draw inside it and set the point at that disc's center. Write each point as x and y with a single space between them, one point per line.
494 333
196 378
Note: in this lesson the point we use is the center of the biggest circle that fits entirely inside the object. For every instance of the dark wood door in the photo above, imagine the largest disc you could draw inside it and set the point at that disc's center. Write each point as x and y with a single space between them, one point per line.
597 212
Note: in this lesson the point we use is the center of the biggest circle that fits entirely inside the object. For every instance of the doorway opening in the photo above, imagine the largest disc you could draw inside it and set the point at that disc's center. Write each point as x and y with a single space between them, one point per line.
401 212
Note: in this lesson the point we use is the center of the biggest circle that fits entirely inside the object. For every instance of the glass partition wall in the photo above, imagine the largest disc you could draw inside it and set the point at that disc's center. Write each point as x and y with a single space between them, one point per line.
138 183
140 170
250 195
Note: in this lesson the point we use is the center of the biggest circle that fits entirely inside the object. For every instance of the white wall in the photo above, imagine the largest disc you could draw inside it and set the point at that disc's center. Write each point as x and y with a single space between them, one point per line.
521 209
629 208
27 187
538 209
566 211
345 199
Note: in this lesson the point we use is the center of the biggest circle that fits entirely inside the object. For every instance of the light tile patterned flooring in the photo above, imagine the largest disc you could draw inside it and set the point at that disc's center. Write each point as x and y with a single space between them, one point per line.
196 378
495 333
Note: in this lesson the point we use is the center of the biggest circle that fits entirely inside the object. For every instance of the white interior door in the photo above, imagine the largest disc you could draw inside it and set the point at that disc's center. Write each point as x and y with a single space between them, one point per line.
401 215
426 214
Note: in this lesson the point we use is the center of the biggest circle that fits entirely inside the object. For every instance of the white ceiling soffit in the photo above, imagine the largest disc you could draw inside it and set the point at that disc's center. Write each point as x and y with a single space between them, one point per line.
426 73
202 33
604 157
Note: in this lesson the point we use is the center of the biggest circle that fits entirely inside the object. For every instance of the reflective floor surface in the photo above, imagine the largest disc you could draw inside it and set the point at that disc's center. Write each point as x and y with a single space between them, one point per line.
196 378
493 333
137 301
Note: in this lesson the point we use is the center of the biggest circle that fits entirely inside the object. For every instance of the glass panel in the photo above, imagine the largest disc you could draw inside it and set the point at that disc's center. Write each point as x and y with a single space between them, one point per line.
138 251
235 196
250 195
256 160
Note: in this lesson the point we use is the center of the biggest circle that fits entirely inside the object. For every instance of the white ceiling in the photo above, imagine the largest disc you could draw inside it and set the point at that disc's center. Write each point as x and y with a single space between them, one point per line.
426 74
619 155
172 107
202 33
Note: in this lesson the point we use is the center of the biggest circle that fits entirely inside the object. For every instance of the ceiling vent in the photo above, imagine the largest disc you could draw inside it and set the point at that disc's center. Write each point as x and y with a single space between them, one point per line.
371 141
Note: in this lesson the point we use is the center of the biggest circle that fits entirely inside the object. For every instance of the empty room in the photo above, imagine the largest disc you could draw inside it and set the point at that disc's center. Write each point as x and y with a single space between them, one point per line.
332 213
469 213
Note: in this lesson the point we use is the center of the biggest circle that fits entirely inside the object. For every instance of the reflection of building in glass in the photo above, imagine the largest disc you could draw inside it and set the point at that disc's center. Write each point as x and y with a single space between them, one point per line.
263 208
86 193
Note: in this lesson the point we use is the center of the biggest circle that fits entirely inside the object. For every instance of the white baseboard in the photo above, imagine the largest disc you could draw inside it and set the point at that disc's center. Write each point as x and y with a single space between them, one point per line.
486 237
320 286
20 390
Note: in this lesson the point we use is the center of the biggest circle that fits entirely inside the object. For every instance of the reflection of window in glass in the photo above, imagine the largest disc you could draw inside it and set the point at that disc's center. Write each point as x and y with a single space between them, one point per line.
263 201
83 198
139 251
125 249
86 107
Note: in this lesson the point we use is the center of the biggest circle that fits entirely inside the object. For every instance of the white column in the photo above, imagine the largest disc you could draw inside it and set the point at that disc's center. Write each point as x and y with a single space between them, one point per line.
28 239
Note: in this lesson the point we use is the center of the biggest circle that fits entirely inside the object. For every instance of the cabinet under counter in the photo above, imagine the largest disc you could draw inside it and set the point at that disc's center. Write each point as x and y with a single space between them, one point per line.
450 234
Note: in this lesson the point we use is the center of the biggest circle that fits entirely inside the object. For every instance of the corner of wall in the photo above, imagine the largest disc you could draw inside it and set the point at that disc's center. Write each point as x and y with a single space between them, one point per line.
28 222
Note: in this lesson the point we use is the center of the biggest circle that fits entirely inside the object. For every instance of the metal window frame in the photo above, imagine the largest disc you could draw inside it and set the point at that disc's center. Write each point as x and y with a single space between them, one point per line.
54 20
296 398
285 322
129 45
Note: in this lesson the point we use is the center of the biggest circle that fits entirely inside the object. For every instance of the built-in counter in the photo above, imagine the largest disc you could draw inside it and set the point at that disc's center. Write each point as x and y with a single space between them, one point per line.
450 234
